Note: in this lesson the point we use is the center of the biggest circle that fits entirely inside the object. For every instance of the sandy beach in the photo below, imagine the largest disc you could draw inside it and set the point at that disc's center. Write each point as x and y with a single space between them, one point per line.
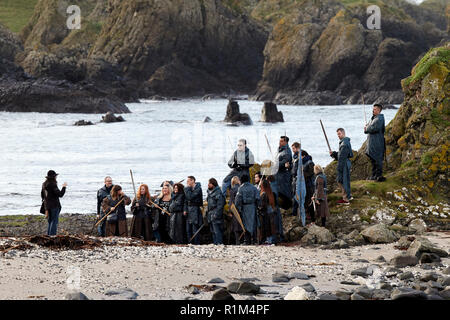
164 272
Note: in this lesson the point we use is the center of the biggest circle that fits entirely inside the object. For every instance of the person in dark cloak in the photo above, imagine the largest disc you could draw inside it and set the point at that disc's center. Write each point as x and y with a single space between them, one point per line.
240 162
216 203
267 215
235 225
376 143
102 193
192 208
161 220
176 208
283 175
344 165
308 173
141 224
247 202
278 217
116 222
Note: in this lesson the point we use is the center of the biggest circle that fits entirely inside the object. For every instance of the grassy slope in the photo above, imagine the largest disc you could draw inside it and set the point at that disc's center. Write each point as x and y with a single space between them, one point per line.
15 13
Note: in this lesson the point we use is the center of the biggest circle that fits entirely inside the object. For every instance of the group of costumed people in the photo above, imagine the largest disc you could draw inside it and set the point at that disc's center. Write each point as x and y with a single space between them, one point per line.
176 214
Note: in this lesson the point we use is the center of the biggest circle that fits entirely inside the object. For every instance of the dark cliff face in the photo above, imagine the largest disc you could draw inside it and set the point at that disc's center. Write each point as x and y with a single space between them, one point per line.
323 53
170 47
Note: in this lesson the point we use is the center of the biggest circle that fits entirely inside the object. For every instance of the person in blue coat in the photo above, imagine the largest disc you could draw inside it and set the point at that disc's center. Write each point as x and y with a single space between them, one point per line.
192 208
216 202
247 202
344 165
375 143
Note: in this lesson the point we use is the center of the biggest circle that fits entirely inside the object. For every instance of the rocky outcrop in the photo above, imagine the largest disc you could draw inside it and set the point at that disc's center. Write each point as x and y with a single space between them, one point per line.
270 113
323 53
234 116
20 92
109 117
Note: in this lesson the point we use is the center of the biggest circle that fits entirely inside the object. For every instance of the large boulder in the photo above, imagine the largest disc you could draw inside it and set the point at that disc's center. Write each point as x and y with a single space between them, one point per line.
379 233
297 293
317 235
422 245
234 115
270 113
109 117
417 226
403 260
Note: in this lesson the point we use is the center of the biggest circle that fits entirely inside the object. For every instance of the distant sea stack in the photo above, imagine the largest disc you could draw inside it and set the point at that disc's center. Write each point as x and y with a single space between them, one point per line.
270 113
234 116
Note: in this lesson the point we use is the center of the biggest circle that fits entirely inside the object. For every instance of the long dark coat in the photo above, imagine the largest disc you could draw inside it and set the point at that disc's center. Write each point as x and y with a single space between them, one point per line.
216 202
177 227
283 176
193 203
240 163
116 222
343 158
375 141
161 221
267 217
247 201
235 226
141 224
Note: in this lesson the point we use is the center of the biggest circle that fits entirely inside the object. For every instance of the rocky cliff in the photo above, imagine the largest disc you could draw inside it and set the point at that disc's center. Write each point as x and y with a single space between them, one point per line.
322 52
418 138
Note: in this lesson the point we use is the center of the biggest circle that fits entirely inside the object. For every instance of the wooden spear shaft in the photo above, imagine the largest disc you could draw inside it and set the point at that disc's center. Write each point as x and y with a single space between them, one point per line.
325 134
112 210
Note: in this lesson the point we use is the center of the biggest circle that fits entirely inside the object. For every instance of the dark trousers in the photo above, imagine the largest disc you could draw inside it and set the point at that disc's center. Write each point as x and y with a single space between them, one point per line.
377 168
53 219
191 229
101 228
217 232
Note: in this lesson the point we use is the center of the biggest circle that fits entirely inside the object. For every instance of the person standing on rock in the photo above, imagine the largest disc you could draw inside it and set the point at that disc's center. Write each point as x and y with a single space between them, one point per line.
50 195
344 165
320 194
216 202
102 193
192 208
267 214
375 142
247 202
283 175
161 220
116 222
141 225
240 163
235 226
176 208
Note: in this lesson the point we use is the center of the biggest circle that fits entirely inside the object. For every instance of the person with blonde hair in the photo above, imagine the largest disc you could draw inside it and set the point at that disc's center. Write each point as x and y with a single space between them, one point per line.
320 194
161 220
141 225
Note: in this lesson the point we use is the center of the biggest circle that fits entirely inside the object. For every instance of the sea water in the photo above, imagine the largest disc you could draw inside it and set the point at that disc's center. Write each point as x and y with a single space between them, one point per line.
160 140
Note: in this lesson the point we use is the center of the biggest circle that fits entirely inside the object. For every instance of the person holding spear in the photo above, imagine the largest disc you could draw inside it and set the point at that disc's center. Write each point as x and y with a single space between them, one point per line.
161 215
116 223
141 225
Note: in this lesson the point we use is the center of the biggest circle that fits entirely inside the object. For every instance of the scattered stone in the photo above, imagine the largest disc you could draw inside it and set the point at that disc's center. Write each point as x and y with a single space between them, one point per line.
243 288
446 270
216 280
362 260
385 286
434 297
431 276
83 123
343 295
392 272
362 272
124 293
404 242
379 233
421 245
417 226
317 235
429 258
403 260
364 292
406 275
328 296
354 238
193 290
435 285
308 287
381 294
445 293
350 283
298 275
207 119
407 293
222 294
297 293
380 259
110 118
280 277
76 296
356 296
270 113
422 286
445 281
